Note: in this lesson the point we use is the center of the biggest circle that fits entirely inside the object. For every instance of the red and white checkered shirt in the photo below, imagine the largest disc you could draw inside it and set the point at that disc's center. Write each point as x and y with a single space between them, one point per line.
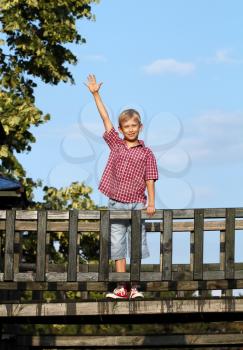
127 169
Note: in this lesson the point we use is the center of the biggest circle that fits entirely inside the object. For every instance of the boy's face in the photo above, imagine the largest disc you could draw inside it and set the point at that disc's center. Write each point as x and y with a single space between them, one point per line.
130 129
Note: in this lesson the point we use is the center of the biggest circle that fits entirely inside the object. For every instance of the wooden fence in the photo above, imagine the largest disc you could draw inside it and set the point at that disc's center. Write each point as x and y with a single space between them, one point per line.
44 274
175 292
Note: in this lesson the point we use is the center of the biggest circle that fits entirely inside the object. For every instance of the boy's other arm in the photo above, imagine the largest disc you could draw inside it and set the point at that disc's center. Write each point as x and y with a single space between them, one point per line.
150 184
94 87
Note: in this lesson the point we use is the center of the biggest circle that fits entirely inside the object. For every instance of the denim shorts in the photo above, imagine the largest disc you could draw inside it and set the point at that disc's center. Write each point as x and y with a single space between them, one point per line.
121 232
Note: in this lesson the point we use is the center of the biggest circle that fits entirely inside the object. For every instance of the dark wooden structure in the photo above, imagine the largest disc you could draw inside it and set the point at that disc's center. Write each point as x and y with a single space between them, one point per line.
173 291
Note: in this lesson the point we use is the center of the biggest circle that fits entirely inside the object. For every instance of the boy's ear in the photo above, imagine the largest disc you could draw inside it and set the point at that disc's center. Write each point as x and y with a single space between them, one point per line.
120 129
141 127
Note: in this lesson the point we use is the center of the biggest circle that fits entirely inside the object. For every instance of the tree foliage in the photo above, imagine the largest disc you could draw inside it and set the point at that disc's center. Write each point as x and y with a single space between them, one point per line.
75 196
34 44
36 32
34 38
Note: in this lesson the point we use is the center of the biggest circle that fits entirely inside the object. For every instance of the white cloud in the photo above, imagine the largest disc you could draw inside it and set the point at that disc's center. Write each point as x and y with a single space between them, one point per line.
224 56
170 65
215 137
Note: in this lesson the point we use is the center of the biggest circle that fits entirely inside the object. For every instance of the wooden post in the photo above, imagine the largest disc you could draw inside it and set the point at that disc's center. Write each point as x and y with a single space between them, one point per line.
41 245
136 246
9 246
72 247
192 250
104 245
225 292
167 245
230 244
198 244
161 246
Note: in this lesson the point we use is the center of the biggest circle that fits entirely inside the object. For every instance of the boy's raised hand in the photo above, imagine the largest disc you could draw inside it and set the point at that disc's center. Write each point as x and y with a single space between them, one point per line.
92 85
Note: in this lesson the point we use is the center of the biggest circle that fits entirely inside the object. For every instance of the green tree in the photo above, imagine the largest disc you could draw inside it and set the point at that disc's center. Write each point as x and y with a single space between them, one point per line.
76 196
34 38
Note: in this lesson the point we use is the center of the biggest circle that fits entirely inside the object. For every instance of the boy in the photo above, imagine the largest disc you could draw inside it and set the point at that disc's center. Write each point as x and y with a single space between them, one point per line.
131 168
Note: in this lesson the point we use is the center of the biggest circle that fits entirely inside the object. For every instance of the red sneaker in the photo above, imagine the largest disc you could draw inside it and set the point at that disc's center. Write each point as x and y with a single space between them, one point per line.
118 293
135 294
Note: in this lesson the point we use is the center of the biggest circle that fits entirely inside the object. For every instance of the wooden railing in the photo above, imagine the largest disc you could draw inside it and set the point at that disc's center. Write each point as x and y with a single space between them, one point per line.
43 274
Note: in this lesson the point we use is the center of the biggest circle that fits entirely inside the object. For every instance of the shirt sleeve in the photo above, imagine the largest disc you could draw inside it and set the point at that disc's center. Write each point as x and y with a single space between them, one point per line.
151 171
112 138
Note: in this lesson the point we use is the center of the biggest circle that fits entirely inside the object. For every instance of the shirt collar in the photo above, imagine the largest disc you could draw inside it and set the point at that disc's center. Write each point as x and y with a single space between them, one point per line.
140 143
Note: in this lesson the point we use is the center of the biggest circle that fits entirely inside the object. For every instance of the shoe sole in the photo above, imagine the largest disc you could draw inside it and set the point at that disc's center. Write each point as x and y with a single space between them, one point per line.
111 298
136 298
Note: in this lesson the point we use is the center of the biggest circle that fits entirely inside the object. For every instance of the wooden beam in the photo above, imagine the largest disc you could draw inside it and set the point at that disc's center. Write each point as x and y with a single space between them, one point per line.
167 245
99 286
130 341
41 246
230 243
9 246
72 246
136 246
104 245
198 244
168 306
9 194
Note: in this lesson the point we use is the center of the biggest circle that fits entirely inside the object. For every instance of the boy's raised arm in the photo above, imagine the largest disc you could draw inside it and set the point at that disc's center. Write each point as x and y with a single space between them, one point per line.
94 87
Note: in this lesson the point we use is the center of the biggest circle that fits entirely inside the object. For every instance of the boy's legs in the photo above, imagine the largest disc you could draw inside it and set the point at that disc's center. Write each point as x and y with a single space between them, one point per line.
144 244
118 239
118 243
144 247
118 247
120 265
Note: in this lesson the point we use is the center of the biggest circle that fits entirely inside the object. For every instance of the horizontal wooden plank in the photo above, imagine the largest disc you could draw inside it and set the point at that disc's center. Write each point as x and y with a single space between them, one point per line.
95 214
9 194
23 225
149 272
239 212
58 215
118 277
89 215
2 214
82 215
238 273
26 214
213 275
131 341
151 286
120 214
124 307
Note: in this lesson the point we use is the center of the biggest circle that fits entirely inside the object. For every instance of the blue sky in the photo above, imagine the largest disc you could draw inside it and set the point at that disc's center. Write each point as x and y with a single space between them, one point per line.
180 63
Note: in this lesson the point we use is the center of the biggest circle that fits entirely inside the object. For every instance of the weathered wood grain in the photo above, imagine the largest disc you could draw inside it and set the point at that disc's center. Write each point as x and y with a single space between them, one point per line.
167 245
136 246
72 246
104 245
9 246
145 307
131 341
230 243
41 246
198 244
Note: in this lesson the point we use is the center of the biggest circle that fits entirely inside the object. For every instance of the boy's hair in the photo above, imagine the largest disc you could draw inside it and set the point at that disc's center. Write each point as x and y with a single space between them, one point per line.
128 114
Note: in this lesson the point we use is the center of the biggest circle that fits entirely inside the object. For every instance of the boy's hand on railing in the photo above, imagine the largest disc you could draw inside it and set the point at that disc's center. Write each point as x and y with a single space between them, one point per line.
150 210
92 85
